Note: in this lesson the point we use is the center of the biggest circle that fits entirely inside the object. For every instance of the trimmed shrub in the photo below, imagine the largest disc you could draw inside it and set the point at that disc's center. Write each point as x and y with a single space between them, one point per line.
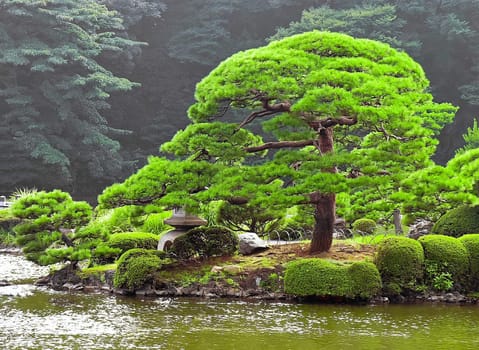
364 226
47 220
445 255
205 242
137 267
400 261
458 221
365 279
129 240
318 277
471 242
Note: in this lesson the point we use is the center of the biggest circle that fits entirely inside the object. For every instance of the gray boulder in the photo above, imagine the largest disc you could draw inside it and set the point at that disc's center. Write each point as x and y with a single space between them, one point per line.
250 243
419 228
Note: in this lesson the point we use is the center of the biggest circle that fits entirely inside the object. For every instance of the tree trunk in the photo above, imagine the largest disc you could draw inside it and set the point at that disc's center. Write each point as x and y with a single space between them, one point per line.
397 221
324 218
325 204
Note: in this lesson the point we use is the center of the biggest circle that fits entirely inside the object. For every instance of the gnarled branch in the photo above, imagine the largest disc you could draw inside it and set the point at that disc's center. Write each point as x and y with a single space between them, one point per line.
268 108
279 144
330 122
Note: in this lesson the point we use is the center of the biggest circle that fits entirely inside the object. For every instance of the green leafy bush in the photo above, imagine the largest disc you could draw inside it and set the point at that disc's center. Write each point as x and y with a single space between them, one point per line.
365 279
48 222
445 254
471 242
205 242
137 267
317 277
129 240
364 226
458 221
154 222
400 261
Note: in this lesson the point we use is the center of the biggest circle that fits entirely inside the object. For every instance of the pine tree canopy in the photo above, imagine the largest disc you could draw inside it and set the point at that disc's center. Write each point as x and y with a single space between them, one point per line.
337 115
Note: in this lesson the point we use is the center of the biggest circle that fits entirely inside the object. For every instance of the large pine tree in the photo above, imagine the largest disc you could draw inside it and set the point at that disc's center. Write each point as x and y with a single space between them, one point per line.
337 114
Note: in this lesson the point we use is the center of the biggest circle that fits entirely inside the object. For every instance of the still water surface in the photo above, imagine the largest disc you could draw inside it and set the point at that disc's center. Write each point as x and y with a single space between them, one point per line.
35 318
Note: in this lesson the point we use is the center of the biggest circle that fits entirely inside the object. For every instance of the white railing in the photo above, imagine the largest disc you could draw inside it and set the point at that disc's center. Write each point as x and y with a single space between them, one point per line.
4 203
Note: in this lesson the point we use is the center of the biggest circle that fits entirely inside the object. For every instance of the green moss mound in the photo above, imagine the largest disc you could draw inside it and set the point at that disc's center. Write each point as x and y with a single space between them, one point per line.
445 255
400 261
458 221
471 242
129 240
136 267
204 242
317 277
364 226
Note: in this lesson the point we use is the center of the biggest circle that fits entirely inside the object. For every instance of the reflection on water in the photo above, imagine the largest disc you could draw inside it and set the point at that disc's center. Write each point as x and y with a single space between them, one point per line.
43 319
14 268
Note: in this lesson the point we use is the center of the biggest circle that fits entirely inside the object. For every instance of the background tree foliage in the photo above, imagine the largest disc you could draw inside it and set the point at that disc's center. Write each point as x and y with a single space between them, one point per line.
188 38
54 91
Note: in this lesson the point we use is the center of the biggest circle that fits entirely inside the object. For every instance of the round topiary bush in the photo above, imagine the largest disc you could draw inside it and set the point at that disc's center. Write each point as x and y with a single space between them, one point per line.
365 279
204 242
129 240
445 257
318 277
458 221
364 226
136 267
400 262
471 242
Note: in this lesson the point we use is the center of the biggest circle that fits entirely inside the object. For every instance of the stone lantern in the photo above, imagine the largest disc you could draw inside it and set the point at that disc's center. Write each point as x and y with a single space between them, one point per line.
182 221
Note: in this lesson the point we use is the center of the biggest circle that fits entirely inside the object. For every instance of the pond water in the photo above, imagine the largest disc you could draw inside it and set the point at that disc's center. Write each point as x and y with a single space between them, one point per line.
36 318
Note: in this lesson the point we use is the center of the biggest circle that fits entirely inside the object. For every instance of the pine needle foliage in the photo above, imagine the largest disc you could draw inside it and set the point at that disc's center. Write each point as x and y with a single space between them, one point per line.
54 89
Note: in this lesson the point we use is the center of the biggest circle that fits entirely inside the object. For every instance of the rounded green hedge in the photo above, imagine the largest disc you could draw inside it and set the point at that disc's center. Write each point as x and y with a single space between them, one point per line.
205 242
365 279
318 277
471 242
400 261
458 221
445 254
364 226
129 240
137 267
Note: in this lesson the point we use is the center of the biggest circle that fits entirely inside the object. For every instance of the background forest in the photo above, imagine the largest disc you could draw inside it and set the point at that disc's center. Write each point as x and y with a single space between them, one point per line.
89 89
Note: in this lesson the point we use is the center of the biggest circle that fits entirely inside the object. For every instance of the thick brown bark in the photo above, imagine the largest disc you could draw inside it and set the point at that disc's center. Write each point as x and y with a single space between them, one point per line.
325 204
324 218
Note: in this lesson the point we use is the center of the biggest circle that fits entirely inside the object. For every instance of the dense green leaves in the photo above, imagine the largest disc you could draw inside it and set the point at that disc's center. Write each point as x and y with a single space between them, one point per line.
54 89
48 222
327 77
298 90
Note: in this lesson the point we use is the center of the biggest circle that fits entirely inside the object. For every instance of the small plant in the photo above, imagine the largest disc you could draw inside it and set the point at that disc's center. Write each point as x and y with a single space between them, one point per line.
7 238
364 226
449 255
272 283
137 267
437 278
204 242
22 192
